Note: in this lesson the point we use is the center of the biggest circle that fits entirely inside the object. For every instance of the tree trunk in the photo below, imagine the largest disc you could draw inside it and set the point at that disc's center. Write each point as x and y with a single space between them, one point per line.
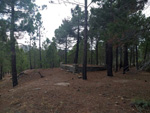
13 51
137 64
1 72
97 52
126 64
84 71
145 54
34 56
120 57
40 49
77 47
117 59
66 52
91 61
109 59
131 54
30 54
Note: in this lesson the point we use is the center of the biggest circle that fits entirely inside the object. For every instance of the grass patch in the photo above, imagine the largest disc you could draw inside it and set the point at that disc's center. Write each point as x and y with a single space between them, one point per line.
141 104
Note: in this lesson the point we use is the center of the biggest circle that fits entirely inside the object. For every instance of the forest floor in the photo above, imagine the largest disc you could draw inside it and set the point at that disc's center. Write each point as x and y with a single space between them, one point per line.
60 91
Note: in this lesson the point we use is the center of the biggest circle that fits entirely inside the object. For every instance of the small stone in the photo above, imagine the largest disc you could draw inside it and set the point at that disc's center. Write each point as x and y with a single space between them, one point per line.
79 77
116 103
78 90
37 88
122 98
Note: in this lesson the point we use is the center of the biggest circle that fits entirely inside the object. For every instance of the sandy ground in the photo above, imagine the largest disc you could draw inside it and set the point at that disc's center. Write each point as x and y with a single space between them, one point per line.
60 91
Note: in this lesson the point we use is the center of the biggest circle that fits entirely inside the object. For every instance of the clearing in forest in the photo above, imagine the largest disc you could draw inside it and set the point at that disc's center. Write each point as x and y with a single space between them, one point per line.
60 91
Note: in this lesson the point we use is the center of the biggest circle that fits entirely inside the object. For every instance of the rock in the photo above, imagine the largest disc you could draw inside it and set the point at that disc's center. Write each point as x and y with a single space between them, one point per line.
79 77
10 90
37 89
78 90
117 103
62 84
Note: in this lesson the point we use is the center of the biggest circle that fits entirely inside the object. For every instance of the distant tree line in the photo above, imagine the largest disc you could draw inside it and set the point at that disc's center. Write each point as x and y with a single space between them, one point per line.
118 37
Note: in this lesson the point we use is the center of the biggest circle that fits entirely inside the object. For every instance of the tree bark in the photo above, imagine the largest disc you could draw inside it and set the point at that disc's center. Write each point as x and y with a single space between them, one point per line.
109 59
66 51
117 59
131 54
137 64
13 51
126 64
1 72
91 61
40 48
120 57
97 52
145 54
30 54
34 55
77 47
84 71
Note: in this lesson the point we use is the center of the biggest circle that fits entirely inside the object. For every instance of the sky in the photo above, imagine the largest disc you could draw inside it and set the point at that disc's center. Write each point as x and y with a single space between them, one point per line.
54 14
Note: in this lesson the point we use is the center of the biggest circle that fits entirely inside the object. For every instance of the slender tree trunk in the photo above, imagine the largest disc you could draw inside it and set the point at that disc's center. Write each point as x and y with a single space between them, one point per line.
109 59
30 54
145 54
97 52
34 56
120 57
91 61
40 49
117 59
137 64
13 51
131 54
84 71
1 72
126 64
77 47
66 51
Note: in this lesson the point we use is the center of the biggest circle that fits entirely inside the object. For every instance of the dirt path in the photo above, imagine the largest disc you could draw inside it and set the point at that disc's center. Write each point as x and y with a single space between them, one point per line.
63 92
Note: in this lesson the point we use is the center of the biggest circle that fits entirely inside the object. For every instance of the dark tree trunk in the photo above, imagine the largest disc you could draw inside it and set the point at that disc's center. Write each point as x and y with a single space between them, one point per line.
66 51
13 51
117 59
109 59
40 49
30 55
34 56
120 57
131 54
126 64
1 72
97 52
133 57
145 54
137 64
91 61
84 71
77 47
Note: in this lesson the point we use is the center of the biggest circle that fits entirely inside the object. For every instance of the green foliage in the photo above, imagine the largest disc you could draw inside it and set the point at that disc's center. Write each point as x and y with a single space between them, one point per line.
22 60
141 104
